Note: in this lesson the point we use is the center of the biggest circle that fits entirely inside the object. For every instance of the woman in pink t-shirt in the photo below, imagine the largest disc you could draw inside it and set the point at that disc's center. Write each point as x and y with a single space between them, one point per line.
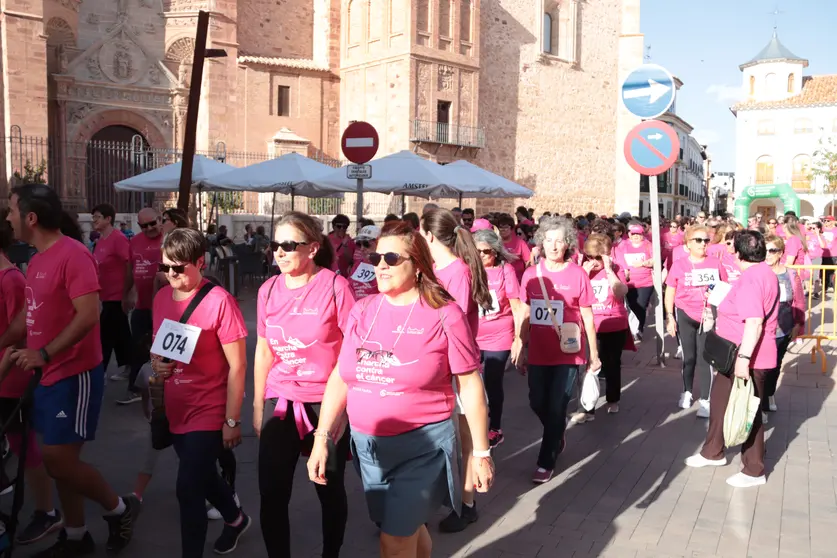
302 320
636 257
557 296
515 245
341 244
402 350
748 318
796 245
610 317
497 332
362 274
204 369
728 258
460 271
687 289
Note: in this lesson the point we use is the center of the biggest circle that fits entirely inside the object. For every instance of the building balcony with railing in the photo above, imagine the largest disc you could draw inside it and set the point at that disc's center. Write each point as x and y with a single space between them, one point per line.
442 133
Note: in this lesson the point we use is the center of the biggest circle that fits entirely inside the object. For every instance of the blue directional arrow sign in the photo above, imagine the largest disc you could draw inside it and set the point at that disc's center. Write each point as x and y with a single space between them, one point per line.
648 91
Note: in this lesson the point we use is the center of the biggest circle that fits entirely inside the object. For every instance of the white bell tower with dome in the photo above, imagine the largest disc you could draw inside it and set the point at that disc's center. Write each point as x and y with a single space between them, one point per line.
774 74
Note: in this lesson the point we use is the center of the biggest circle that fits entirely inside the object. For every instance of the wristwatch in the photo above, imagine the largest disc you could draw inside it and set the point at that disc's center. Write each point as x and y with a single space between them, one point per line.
44 355
743 357
232 423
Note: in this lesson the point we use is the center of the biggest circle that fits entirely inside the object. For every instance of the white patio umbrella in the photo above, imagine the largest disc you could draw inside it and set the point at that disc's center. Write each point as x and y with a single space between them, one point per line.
167 178
476 182
291 173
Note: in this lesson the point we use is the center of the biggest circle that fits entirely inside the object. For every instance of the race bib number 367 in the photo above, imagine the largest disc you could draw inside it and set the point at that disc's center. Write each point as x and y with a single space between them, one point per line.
176 341
540 313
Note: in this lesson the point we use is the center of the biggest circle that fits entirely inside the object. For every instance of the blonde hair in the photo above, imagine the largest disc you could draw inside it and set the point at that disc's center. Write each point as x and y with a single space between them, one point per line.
775 239
694 229
597 244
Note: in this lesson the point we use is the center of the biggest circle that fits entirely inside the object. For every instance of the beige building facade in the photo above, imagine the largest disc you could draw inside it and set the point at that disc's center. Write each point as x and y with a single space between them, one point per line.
526 88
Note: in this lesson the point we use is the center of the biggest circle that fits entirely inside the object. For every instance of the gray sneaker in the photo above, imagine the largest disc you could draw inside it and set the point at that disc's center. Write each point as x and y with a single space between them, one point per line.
130 397
41 525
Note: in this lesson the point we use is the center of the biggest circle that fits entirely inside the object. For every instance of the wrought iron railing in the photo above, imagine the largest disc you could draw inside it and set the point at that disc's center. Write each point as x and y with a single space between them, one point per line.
447 134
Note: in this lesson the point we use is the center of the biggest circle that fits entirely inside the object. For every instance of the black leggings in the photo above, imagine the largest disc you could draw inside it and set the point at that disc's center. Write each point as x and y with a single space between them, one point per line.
279 451
692 343
115 334
495 369
611 345
638 299
771 378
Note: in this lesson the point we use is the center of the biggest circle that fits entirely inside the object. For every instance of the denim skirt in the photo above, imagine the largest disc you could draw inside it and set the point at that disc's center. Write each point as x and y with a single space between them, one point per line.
409 476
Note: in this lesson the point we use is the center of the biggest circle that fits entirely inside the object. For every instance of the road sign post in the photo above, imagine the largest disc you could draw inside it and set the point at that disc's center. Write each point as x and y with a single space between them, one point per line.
359 144
651 148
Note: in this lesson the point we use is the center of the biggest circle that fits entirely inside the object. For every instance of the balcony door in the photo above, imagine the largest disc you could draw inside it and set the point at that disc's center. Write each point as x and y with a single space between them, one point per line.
443 121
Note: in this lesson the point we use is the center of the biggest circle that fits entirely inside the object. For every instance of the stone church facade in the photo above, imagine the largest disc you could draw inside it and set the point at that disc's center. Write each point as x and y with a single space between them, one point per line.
525 88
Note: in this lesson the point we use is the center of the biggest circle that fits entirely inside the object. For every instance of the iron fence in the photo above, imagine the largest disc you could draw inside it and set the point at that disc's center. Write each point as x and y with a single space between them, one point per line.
89 169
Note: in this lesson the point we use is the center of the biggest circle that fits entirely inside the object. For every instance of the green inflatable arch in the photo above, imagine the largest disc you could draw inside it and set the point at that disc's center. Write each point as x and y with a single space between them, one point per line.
782 191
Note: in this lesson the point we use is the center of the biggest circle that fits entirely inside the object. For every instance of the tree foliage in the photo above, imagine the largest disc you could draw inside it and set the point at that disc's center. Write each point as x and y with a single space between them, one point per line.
32 174
825 164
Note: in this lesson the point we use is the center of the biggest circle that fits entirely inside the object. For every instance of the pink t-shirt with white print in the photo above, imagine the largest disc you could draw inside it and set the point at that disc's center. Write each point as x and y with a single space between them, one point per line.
304 328
196 393
752 296
112 254
64 272
496 329
814 248
730 263
691 281
403 379
146 256
519 248
609 313
568 291
362 279
630 258
456 279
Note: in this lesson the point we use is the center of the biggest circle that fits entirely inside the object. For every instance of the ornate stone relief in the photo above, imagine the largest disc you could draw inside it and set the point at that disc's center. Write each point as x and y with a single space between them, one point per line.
122 60
445 78
72 4
78 112
154 75
93 68
93 19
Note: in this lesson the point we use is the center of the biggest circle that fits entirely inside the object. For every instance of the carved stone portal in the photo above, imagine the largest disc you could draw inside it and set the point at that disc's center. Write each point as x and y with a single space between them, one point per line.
122 61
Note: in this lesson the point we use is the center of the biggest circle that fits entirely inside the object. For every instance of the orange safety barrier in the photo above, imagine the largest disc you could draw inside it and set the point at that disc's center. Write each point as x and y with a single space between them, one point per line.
820 333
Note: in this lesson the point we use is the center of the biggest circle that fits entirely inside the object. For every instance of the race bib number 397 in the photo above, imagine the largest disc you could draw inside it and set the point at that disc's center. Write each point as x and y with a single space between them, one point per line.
539 314
364 273
176 341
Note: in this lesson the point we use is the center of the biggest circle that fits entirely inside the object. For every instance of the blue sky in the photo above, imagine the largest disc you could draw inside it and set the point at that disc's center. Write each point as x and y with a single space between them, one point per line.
703 42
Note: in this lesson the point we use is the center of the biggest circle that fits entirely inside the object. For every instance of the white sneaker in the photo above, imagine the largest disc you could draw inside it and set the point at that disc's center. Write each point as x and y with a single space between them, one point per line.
581 418
685 401
703 409
740 480
697 461
771 403
679 354
613 408
763 417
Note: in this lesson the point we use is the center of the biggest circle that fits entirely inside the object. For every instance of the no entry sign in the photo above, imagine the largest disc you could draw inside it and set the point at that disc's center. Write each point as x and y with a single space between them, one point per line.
652 147
360 142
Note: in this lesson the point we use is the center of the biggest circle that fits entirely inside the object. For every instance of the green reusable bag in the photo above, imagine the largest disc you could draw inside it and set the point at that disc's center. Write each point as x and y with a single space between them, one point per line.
741 412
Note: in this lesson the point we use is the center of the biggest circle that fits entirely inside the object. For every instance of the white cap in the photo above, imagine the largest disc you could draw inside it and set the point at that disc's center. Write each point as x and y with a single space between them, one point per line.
369 232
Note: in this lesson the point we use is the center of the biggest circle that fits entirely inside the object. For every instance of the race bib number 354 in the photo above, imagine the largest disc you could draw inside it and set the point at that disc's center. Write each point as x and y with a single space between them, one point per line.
539 314
176 341
704 277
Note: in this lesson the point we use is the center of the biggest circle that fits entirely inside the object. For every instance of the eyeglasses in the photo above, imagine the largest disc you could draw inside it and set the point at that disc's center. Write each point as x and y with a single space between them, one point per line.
774 251
363 353
486 251
291 245
149 224
391 258
364 243
701 240
164 268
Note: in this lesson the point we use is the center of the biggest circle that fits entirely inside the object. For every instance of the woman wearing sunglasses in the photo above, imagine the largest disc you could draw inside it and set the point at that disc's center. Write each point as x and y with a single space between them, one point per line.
402 350
204 391
687 288
557 324
497 329
636 257
459 269
362 275
341 244
302 319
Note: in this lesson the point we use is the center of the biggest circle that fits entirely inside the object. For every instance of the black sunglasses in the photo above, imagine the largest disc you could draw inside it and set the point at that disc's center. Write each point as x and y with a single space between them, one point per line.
290 245
391 258
144 226
701 240
486 251
364 243
774 251
164 268
342 227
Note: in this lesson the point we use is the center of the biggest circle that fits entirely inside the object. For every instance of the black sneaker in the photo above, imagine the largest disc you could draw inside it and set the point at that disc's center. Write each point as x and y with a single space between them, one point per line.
65 548
41 525
228 540
455 523
121 527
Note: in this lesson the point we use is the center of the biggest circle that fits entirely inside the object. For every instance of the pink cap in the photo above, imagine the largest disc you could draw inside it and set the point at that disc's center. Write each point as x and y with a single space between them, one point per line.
481 225
636 229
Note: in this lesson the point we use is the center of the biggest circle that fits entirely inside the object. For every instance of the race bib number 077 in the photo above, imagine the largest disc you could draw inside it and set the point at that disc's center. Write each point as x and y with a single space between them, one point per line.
539 314
176 341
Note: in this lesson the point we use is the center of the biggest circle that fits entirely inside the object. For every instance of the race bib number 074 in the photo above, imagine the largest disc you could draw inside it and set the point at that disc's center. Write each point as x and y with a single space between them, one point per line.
176 341
539 314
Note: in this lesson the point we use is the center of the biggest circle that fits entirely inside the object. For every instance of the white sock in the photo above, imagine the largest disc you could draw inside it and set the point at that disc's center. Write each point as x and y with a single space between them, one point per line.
119 509
75 533
467 505
51 513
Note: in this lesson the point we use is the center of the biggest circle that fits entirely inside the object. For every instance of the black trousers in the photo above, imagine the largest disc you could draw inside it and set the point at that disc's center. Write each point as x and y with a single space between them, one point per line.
115 334
829 274
141 330
495 369
692 343
771 377
638 299
279 451
197 481
611 345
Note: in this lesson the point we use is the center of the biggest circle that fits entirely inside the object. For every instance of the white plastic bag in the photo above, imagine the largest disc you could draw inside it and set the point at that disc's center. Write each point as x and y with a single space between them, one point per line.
633 321
741 412
589 390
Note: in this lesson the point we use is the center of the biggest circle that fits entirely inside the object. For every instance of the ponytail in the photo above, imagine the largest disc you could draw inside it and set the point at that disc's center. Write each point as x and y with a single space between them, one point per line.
324 257
465 249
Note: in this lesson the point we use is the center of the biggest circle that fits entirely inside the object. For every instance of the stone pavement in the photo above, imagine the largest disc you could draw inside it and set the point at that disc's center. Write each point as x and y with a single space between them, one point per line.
621 489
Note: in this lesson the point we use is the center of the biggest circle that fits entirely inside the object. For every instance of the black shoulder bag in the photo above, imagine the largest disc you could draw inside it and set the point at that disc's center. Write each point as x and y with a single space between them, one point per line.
160 432
721 353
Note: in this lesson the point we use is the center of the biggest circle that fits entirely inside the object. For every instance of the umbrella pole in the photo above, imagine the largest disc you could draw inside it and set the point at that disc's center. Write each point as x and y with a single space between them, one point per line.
292 200
403 204
273 214
200 210
460 200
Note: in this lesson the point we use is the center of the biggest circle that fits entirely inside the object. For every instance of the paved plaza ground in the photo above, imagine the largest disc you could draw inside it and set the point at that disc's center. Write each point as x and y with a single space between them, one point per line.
621 489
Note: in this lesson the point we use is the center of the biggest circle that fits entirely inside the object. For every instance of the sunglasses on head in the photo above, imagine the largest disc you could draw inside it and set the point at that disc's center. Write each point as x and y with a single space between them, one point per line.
486 251
291 245
700 240
164 268
144 226
391 258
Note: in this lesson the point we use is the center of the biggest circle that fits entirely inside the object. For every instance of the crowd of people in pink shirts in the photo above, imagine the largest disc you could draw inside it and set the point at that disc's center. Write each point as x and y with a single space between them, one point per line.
387 351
